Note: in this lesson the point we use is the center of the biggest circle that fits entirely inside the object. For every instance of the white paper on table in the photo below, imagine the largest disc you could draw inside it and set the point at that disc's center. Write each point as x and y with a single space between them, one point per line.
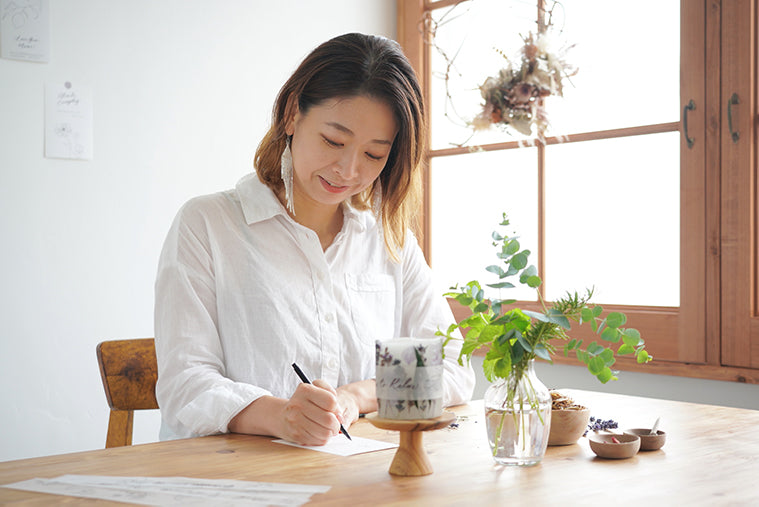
340 445
68 121
25 30
171 491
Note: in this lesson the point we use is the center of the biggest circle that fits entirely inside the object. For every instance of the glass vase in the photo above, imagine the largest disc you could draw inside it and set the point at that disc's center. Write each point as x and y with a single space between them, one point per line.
518 417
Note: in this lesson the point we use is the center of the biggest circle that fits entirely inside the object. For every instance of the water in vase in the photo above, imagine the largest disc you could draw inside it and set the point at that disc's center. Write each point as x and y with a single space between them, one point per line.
518 437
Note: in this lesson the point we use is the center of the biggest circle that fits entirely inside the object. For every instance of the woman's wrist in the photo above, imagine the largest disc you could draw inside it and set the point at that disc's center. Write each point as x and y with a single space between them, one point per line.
262 417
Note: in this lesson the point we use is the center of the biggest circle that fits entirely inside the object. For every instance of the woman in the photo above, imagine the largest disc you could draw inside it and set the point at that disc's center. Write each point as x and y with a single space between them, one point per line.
307 260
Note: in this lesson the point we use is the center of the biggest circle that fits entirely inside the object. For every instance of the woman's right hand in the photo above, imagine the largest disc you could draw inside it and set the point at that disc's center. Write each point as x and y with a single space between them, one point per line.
310 417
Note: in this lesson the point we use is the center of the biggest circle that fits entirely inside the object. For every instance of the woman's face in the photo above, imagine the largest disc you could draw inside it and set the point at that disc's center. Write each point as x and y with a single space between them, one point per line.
339 148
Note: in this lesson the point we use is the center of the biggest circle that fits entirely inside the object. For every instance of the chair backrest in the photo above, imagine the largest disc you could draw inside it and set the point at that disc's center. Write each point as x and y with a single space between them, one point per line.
129 372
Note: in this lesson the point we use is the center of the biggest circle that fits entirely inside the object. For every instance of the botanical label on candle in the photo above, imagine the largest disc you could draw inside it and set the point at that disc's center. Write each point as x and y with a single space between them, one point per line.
422 382
409 378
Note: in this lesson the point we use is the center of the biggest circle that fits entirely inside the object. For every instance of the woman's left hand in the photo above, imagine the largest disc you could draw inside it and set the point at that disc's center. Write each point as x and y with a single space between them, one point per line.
356 398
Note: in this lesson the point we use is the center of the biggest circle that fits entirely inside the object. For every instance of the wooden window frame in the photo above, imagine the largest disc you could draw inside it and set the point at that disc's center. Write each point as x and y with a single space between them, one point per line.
689 337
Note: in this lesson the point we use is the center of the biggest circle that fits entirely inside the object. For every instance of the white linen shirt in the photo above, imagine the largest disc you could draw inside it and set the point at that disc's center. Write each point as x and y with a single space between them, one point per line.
243 291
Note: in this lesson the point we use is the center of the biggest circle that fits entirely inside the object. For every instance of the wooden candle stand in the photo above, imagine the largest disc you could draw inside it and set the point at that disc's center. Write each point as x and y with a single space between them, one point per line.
411 458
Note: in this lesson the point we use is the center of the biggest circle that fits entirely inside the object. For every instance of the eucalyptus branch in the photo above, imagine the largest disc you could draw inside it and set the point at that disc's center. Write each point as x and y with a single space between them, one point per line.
516 336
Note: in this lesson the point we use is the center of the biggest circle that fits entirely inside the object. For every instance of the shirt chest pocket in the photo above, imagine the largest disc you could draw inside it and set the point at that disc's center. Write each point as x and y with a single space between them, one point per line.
371 297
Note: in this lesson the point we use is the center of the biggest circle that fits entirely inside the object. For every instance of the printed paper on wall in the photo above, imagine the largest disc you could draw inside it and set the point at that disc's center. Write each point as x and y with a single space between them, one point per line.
25 30
68 121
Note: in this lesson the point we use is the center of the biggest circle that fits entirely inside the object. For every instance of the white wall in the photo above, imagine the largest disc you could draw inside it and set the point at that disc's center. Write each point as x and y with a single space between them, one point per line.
182 94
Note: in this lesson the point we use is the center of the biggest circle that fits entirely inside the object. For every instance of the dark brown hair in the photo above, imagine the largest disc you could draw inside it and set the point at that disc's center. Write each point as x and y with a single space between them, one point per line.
360 65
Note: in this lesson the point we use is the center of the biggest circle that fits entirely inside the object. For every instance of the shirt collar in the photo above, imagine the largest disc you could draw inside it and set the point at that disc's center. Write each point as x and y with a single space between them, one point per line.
259 203
257 200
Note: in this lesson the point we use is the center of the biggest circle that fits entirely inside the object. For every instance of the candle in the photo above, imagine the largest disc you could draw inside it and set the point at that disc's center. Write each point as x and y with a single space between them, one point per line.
409 378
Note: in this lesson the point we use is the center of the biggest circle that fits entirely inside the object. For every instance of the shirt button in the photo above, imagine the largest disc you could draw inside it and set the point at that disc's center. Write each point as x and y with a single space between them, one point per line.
329 318
332 363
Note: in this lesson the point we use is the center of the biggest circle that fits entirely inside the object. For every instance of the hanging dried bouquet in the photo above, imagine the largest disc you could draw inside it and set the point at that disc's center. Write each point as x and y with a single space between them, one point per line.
513 98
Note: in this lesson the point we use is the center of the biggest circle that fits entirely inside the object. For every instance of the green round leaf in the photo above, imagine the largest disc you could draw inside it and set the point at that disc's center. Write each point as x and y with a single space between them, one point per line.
611 334
606 375
615 319
608 357
496 269
534 282
594 349
625 349
519 261
529 272
631 337
511 247
596 365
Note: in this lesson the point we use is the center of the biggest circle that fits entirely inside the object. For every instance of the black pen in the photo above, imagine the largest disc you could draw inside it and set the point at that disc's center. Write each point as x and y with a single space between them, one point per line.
306 381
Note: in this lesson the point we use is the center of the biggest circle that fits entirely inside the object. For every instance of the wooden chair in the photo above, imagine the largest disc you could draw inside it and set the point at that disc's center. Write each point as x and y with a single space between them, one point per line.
129 372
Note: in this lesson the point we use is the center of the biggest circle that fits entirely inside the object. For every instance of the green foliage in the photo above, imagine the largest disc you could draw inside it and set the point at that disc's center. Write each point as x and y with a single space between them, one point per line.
516 336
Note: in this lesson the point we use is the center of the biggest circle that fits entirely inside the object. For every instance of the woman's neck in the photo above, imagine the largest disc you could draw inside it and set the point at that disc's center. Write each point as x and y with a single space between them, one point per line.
325 221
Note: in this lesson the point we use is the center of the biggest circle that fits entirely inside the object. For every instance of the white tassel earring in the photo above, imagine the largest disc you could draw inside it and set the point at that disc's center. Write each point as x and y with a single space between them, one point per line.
377 200
286 169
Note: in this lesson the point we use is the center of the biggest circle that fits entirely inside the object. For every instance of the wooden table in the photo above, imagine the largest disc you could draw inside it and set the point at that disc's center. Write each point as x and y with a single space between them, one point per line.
711 457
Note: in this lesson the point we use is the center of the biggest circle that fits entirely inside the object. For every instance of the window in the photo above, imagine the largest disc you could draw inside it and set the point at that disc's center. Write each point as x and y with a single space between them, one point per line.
623 204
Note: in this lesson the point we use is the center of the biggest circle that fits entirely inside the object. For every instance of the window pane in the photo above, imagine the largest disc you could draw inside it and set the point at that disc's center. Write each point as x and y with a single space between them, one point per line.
613 219
628 61
629 65
469 195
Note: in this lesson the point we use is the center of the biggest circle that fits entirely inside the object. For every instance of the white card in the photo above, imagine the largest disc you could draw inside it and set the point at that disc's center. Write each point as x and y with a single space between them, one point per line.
340 445
68 121
25 30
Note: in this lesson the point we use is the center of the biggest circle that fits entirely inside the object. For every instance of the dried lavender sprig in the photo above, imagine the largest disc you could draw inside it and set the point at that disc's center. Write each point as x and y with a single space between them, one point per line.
600 425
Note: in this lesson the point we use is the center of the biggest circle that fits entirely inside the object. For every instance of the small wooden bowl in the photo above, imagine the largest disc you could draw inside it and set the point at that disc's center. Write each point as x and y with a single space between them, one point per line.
568 425
604 447
648 442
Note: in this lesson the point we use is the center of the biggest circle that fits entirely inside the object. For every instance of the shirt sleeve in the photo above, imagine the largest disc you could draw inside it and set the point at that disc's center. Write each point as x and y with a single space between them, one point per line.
424 312
195 396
